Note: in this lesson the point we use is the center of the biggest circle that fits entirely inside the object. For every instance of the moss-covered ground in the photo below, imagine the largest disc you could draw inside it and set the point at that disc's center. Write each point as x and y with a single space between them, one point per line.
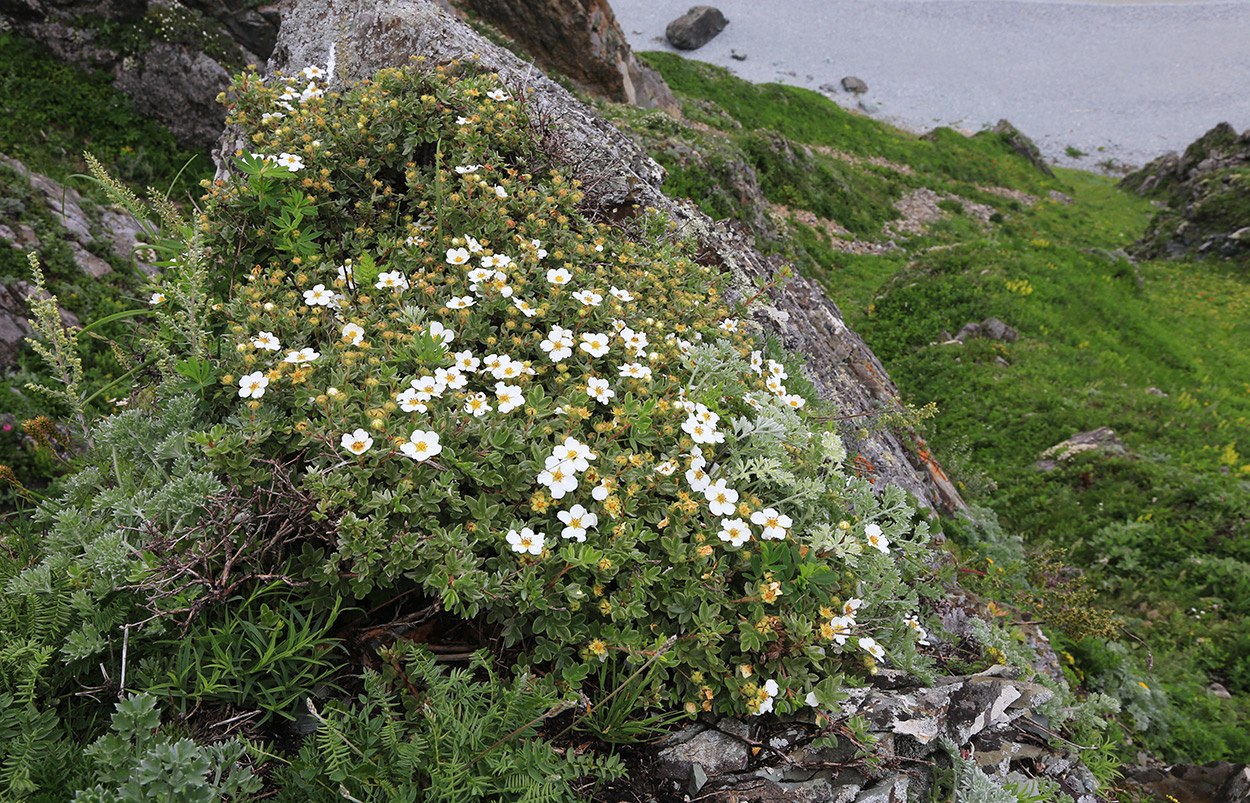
1158 351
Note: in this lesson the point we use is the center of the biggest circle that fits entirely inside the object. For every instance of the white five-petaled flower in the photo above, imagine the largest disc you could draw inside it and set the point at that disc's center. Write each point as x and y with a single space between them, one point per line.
777 369
721 500
728 325
460 302
353 334
598 390
559 276
840 628
558 344
870 646
357 442
457 256
421 445
771 690
498 94
476 404
525 307
851 606
734 532
596 345
509 397
500 192
253 385
698 479
603 490
811 700
559 479
312 72
588 297
451 377
793 401
635 370
319 296
757 362
462 120
301 356
776 525
877 539
391 280
571 453
157 298
526 541
922 636
473 245
576 522
411 401
266 341
466 362
666 468
622 295
441 333
462 169
291 162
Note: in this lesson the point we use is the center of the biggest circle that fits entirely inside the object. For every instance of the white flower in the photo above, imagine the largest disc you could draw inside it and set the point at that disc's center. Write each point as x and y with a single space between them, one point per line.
301 356
757 362
922 636
421 445
466 362
877 539
476 404
577 521
429 386
558 344
507 368
776 525
539 251
777 369
411 401
291 162
793 401
559 276
462 120
357 442
851 606
622 295
157 298
451 377
728 325
333 392
734 532
462 169
602 491
721 500
841 628
527 541
457 256
391 280
636 341
770 689
413 240
572 454
441 333
460 302
266 341
525 308
253 385
353 334
559 479
588 297
498 94
775 386
595 345
667 468
474 246
319 296
598 389
509 397
267 116
347 273
312 72
701 432
871 647
479 275
635 370
699 481
811 700
500 192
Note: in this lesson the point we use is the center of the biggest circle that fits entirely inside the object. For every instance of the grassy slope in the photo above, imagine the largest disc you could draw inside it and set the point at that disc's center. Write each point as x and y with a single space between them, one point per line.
1160 534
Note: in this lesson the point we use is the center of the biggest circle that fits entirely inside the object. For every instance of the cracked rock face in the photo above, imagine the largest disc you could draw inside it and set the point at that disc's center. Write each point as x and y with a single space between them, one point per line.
619 178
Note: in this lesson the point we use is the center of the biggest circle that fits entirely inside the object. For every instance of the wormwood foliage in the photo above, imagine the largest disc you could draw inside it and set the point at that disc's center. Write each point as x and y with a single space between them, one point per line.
550 425
452 738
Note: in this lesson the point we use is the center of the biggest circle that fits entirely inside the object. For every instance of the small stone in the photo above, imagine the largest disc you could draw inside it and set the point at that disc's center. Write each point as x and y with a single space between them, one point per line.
1156 392
737 55
856 85
994 329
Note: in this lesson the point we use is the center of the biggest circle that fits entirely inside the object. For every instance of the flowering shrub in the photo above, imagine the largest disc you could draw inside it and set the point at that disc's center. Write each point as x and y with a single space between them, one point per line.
554 426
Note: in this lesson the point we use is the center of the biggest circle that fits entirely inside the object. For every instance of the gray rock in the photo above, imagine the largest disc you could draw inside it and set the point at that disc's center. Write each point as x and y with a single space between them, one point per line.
1102 439
714 751
739 56
695 28
891 790
179 88
968 331
88 262
1156 392
994 329
829 89
856 85
1022 145
14 325
1236 788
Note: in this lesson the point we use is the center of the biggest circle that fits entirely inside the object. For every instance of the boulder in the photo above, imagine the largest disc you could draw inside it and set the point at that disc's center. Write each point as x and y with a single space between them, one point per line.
990 329
856 85
1022 145
619 179
582 40
695 28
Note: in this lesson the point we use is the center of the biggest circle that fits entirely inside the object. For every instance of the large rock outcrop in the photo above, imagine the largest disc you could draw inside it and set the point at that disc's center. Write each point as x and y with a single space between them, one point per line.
581 40
620 179
1206 191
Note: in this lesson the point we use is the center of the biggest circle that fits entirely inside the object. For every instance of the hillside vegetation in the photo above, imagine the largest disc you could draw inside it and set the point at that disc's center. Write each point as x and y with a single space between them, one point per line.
1159 351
